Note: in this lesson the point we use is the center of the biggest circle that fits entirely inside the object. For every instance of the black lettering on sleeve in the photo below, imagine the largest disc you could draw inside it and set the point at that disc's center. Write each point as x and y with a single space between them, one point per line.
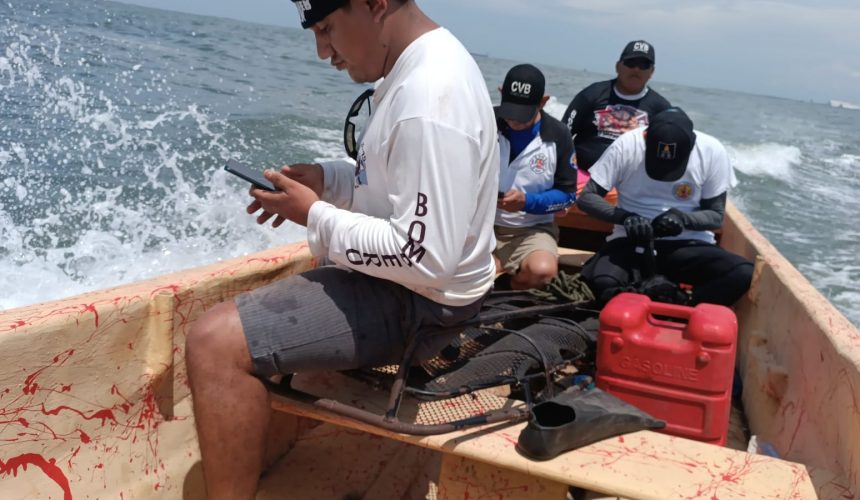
354 257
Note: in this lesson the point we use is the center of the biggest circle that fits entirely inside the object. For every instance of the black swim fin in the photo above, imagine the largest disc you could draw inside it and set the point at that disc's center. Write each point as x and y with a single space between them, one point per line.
577 418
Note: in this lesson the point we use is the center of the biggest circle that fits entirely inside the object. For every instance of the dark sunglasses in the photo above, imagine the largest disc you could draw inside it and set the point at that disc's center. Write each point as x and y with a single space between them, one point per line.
643 64
349 127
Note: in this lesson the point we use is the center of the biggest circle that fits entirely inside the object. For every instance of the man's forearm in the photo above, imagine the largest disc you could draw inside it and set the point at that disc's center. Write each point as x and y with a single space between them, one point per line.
592 202
710 215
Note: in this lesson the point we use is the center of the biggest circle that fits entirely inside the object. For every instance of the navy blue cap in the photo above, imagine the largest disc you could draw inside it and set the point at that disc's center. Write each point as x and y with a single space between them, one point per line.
521 93
638 49
669 141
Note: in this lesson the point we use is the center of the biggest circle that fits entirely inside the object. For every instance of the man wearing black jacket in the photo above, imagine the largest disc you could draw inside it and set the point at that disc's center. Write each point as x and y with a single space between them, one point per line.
603 111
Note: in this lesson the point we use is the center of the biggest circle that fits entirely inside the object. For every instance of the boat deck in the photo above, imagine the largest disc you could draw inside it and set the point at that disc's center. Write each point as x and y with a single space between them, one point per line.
476 462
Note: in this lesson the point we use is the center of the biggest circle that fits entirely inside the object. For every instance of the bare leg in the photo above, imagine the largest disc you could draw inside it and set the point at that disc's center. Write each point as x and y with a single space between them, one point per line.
231 406
536 270
498 263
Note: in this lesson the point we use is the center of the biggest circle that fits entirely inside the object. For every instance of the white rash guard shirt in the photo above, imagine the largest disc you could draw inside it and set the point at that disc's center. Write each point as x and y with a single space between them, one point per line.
419 210
622 166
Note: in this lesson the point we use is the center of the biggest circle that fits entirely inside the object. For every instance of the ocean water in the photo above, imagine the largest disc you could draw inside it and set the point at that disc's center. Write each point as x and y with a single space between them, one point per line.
115 121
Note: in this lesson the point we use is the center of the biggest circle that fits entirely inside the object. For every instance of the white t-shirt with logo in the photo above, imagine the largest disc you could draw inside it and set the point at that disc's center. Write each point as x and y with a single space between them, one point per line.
422 202
622 166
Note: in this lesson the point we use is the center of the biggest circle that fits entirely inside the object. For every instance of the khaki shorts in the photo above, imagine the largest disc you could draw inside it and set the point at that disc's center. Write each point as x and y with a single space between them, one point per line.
514 244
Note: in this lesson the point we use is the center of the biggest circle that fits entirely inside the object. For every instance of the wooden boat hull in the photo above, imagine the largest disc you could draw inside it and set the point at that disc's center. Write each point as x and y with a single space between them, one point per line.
94 400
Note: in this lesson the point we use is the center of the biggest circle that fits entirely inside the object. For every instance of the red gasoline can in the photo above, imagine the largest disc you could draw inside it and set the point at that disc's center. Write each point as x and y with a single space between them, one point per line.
673 362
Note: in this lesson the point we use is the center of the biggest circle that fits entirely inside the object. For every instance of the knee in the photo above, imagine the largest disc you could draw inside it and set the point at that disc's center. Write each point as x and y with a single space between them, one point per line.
739 280
216 340
545 269
744 274
728 288
604 287
602 282
538 270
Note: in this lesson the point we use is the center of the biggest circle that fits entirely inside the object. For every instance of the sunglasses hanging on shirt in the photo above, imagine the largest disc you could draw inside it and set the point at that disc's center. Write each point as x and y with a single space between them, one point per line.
349 126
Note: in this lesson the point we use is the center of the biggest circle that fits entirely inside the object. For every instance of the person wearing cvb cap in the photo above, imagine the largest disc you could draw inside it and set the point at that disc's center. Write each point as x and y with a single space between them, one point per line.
537 178
603 111
672 184
406 228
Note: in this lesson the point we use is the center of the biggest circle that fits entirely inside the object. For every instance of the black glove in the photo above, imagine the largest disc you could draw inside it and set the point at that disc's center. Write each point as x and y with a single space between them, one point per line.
638 229
660 289
669 223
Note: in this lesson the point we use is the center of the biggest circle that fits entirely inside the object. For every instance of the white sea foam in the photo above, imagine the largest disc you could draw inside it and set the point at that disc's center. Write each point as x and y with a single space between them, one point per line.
844 104
837 283
91 234
849 163
327 144
768 159
555 108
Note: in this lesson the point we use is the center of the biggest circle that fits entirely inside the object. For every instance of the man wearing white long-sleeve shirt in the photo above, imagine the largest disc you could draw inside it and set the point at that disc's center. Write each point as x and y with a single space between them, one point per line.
408 227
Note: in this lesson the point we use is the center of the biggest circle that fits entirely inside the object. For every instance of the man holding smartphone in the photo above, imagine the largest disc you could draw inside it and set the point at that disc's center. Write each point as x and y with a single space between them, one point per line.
537 179
408 227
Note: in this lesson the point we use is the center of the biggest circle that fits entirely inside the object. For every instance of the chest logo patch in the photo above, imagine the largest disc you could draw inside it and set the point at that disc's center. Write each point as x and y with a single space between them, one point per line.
615 119
682 190
538 163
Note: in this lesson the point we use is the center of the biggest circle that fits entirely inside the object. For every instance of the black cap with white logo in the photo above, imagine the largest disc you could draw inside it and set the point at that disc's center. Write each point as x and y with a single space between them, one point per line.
314 11
638 49
521 93
669 140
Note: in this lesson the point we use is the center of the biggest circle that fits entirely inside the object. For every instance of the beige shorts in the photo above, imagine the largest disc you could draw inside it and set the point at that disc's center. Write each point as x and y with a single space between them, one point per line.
514 244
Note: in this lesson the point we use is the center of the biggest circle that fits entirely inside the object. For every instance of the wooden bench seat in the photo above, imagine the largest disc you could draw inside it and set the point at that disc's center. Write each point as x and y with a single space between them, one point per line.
483 461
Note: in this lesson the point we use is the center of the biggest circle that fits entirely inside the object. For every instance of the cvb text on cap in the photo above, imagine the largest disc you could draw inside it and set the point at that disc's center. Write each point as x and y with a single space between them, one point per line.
521 89
641 47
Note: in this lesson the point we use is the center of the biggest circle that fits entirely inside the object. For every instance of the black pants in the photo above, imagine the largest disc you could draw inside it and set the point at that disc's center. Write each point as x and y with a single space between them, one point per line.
717 276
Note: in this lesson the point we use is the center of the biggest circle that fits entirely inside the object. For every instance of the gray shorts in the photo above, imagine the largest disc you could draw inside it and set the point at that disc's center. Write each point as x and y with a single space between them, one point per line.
332 318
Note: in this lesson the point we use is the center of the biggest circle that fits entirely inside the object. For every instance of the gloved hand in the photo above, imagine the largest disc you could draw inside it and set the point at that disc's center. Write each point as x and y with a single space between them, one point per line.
638 229
669 223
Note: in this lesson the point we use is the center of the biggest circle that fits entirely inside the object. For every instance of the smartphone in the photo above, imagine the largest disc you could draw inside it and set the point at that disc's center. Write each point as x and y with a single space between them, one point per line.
255 177
501 194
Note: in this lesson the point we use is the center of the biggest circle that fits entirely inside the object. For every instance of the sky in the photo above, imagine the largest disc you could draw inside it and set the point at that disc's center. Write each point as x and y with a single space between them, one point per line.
807 50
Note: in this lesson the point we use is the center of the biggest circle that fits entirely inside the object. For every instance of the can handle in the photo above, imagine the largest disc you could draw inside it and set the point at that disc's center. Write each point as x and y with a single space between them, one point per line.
673 310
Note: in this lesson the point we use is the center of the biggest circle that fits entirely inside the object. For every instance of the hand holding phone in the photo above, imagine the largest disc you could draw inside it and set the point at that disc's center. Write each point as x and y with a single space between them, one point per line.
249 174
283 197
